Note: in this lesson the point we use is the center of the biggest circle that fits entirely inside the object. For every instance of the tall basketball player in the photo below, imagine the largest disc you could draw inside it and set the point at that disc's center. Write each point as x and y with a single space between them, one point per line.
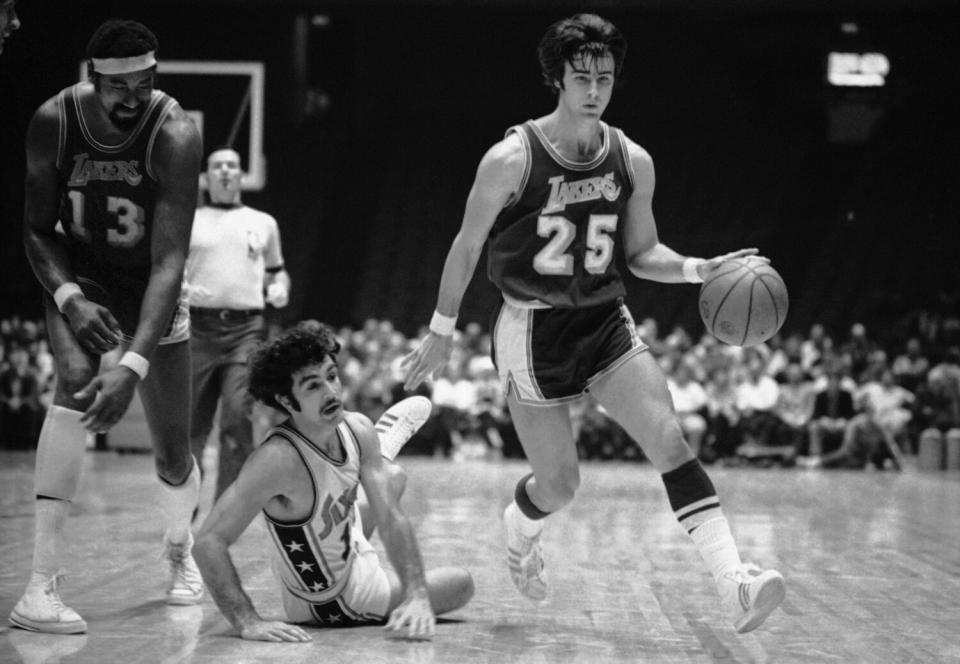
553 200
116 162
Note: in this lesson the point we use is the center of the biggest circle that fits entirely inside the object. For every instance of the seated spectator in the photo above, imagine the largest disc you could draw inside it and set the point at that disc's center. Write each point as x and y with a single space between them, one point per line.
937 408
832 411
21 412
865 441
889 402
857 349
689 402
723 417
757 396
794 409
910 368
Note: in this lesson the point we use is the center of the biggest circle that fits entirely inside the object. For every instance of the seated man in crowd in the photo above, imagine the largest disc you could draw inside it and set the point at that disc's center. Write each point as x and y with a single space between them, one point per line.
329 573
832 411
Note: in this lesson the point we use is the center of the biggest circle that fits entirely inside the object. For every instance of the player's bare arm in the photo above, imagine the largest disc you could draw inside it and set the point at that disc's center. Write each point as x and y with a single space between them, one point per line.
414 614
175 162
647 257
497 181
96 329
262 482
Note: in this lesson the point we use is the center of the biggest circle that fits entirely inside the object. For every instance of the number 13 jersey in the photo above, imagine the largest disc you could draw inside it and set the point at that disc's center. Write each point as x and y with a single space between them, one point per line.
555 241
108 192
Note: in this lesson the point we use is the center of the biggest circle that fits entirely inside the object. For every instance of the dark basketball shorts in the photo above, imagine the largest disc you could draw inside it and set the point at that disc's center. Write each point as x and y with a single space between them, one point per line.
548 355
124 297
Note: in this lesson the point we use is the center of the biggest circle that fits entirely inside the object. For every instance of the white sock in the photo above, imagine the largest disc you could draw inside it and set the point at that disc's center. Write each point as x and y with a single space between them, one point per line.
528 527
717 548
50 515
177 504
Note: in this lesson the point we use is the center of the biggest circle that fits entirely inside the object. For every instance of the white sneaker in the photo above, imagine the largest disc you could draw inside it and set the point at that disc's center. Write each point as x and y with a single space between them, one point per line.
398 424
41 609
751 594
524 558
186 584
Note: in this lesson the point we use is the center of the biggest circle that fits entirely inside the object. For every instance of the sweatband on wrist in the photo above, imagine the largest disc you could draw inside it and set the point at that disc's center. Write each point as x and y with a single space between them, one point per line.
136 363
690 270
443 325
64 292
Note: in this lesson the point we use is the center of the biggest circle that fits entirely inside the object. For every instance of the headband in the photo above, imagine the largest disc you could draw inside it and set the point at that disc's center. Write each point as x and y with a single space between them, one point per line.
114 66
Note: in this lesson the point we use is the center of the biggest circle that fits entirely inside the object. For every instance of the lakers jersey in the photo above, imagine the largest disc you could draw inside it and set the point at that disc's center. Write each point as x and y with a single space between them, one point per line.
313 557
108 191
555 242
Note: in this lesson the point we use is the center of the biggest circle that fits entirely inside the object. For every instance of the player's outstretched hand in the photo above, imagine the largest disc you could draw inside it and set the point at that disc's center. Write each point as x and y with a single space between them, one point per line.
427 359
710 265
94 326
114 391
274 630
416 615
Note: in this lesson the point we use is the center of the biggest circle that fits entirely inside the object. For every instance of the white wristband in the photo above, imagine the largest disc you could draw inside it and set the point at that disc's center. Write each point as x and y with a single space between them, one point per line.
443 325
690 270
136 363
64 292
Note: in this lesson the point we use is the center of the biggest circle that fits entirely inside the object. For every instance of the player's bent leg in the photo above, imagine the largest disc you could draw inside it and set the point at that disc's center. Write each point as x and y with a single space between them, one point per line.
59 461
236 425
165 393
396 485
449 588
636 396
546 434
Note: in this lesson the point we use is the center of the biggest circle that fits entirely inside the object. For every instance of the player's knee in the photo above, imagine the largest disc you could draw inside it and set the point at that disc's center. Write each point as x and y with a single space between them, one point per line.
172 468
464 588
73 376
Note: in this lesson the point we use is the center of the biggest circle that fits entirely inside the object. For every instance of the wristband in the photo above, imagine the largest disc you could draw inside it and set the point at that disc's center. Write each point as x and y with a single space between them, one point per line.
442 325
64 292
136 363
690 270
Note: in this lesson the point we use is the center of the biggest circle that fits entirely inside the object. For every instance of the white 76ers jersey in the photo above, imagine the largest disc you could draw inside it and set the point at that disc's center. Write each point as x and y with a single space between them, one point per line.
313 557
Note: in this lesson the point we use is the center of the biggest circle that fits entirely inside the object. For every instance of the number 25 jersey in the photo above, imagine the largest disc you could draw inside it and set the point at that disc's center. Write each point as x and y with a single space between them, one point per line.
108 192
555 241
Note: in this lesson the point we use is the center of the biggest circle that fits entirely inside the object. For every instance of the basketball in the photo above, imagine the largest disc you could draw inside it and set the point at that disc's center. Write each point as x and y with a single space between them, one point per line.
744 303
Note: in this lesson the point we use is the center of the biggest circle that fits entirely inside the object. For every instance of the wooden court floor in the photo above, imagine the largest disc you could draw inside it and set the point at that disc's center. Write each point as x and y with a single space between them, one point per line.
872 562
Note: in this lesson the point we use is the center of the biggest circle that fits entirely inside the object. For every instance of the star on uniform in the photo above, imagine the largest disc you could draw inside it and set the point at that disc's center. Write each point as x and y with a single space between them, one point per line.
333 618
317 586
305 567
294 546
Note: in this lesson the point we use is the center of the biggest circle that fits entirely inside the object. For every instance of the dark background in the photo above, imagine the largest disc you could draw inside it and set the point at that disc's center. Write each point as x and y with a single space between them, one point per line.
853 196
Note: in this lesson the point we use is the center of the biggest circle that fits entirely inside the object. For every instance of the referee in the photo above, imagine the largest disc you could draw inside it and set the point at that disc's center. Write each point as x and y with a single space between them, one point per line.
234 269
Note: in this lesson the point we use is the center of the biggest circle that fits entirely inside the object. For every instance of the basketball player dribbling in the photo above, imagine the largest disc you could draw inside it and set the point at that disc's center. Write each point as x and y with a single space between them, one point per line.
553 200
324 479
116 162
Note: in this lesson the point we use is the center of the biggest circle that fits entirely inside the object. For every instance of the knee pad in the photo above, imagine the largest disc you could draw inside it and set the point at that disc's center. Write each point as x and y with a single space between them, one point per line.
60 453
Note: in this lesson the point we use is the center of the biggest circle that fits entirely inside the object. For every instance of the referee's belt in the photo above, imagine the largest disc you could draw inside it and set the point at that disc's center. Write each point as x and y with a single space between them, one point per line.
225 314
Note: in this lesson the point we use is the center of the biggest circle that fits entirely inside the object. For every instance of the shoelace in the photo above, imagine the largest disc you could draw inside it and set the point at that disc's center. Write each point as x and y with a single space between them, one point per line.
50 590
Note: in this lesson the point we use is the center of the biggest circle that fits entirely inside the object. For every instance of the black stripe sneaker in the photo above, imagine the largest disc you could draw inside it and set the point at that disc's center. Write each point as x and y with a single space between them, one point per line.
398 424
750 595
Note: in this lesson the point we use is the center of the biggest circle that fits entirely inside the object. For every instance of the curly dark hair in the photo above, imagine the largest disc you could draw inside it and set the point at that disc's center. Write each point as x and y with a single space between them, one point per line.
121 38
583 35
274 362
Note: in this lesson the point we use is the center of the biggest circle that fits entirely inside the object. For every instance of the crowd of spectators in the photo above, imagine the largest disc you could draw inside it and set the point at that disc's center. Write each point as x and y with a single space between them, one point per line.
798 399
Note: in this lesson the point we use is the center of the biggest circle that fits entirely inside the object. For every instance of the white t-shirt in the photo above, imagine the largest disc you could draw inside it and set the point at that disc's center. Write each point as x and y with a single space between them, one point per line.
230 251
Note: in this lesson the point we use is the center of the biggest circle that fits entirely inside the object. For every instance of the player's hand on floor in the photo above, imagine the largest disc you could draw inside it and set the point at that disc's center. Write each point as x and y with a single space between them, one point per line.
427 359
710 265
416 616
274 630
114 391
94 326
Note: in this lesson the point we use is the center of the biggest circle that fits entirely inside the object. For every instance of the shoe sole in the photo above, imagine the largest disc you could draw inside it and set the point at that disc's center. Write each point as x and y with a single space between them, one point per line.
771 593
390 417
21 621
